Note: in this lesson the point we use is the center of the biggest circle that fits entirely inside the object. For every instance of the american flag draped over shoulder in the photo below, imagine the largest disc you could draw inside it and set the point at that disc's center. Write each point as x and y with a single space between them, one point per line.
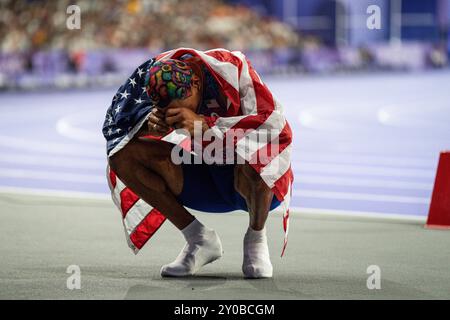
127 111
251 106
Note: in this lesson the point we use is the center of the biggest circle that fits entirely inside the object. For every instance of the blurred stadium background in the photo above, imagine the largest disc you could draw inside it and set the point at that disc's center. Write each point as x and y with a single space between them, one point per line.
289 36
370 110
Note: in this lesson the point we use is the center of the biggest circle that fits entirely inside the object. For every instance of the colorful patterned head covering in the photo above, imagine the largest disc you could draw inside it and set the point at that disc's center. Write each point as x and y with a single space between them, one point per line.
168 80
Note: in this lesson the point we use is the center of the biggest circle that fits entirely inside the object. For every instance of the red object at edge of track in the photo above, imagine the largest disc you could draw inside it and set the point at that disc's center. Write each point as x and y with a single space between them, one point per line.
439 214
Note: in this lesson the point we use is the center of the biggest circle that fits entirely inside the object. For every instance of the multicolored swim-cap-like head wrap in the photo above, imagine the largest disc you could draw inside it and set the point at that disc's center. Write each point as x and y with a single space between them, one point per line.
168 80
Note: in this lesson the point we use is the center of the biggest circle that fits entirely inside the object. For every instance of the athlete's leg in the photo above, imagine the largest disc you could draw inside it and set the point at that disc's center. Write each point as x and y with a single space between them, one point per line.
258 196
256 193
146 168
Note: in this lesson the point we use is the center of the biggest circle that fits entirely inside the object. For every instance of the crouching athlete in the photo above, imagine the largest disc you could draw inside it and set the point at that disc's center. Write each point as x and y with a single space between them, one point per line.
188 89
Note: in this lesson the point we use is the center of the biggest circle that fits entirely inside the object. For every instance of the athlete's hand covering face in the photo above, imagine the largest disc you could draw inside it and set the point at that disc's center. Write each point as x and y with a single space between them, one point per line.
156 123
184 118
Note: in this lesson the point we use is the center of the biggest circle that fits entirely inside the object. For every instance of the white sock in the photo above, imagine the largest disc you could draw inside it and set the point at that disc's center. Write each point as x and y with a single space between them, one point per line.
194 229
256 262
203 246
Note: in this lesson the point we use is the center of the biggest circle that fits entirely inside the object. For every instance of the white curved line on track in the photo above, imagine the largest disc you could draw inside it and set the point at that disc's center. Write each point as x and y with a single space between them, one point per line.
66 127
417 117
328 118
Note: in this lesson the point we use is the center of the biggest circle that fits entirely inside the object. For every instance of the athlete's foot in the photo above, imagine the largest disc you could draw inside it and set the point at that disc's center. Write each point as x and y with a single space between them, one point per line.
203 246
256 262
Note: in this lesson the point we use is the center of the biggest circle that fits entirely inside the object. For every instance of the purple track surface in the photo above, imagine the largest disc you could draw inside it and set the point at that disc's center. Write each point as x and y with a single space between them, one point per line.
367 143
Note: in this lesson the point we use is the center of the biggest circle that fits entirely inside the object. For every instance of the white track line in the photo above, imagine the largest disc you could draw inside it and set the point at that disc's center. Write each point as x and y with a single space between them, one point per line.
37 145
300 210
83 163
305 166
350 158
100 179
53 161
359 214
56 193
317 179
360 182
52 175
358 196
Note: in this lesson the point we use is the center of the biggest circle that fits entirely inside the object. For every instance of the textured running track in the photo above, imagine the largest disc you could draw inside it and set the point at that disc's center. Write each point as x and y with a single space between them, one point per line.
327 257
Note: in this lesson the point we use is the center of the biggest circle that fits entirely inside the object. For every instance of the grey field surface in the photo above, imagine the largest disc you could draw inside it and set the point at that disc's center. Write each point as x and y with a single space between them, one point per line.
327 257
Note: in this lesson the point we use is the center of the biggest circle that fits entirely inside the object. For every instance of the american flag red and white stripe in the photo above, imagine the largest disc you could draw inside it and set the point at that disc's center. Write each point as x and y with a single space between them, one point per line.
251 106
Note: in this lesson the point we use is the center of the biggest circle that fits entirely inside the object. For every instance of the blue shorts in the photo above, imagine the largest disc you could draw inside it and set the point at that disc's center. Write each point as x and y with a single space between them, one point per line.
210 188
